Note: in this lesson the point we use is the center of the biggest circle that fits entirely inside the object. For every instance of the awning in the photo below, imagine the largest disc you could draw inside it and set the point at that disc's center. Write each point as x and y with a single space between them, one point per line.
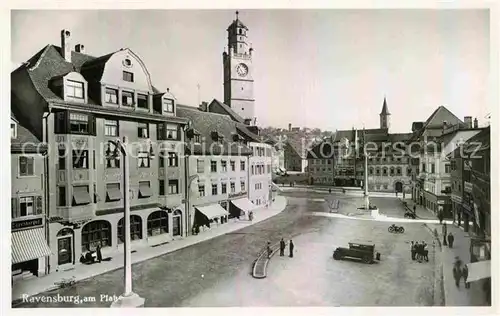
244 204
29 244
145 190
479 270
212 211
114 193
81 195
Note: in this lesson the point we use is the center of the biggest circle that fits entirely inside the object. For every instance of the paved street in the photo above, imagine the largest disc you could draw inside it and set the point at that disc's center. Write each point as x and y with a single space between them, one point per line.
312 277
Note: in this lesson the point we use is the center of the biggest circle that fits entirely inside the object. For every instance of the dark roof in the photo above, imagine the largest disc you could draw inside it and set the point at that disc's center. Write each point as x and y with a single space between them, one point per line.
324 150
479 142
226 108
237 23
207 123
385 110
427 124
26 142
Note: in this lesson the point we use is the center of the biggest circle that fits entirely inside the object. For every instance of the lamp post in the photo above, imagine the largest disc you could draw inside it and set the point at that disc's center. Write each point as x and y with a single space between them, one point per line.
367 197
188 192
128 298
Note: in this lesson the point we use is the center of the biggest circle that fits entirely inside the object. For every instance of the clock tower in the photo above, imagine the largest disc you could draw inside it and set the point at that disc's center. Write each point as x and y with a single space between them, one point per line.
238 80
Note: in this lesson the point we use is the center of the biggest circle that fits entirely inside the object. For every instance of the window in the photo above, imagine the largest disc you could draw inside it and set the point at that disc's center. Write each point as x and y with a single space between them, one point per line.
378 171
112 162
213 166
61 159
26 206
384 171
26 166
214 189
233 187
200 166
113 192
144 190
61 196
398 171
111 96
135 228
201 189
128 76
423 167
80 159
161 187
173 186
81 195
142 130
173 160
392 171
432 168
96 197
143 160
74 89
172 132
242 165
142 101
157 223
223 165
447 168
127 98
197 138
242 183
110 128
168 105
13 130
223 188
233 165
253 170
79 123
96 233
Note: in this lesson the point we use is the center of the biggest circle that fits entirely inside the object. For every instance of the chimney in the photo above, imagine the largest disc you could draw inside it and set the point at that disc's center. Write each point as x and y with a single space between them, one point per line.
204 106
289 127
66 45
468 121
476 123
80 48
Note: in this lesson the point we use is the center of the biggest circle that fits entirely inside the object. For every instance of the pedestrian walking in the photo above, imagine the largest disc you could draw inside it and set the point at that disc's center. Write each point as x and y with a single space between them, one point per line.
457 271
413 250
99 254
269 251
465 275
291 248
396 193
330 191
282 247
425 252
444 231
440 217
451 239
414 209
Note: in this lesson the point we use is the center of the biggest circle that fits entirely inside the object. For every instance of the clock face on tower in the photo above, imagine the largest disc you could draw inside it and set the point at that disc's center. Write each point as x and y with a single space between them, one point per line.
242 70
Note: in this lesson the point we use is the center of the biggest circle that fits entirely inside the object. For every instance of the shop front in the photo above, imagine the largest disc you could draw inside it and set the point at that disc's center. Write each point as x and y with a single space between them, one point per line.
206 215
29 248
241 207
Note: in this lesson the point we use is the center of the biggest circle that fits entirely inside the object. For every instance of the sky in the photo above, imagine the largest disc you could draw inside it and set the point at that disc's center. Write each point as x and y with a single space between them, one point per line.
328 69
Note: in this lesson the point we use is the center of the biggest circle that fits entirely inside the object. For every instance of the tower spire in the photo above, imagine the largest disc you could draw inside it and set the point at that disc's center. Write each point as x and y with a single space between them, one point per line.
237 15
385 110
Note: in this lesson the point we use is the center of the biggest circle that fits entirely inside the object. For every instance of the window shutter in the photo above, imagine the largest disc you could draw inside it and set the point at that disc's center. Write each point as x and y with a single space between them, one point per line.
39 205
14 205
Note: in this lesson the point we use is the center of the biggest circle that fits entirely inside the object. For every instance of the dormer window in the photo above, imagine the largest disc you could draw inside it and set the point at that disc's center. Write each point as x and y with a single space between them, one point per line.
111 96
128 76
13 130
127 98
74 89
168 106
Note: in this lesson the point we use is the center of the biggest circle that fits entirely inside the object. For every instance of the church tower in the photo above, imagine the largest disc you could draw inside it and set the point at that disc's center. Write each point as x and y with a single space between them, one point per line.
385 117
238 80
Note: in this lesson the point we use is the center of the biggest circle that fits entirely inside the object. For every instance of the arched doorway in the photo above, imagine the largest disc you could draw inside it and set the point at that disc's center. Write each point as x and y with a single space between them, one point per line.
135 228
398 186
177 223
157 223
65 249
96 233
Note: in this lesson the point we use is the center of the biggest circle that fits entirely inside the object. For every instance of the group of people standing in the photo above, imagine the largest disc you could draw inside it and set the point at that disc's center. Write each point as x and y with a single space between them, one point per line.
419 251
291 246
460 271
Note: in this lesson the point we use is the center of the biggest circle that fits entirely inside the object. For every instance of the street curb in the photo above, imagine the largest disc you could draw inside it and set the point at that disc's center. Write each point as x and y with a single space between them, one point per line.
18 300
266 262
438 287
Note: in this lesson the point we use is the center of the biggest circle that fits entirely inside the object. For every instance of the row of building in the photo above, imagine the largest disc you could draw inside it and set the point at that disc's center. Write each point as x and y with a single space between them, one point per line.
444 163
189 168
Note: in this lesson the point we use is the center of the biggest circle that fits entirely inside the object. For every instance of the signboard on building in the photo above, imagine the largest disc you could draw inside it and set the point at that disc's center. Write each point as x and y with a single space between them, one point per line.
468 187
28 223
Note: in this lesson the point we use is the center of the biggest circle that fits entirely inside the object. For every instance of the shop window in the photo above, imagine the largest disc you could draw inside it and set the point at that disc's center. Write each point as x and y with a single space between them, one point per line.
135 228
177 223
96 233
157 223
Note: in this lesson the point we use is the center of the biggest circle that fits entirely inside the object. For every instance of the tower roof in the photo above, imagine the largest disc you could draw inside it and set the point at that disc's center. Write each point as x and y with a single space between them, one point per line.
237 23
385 110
